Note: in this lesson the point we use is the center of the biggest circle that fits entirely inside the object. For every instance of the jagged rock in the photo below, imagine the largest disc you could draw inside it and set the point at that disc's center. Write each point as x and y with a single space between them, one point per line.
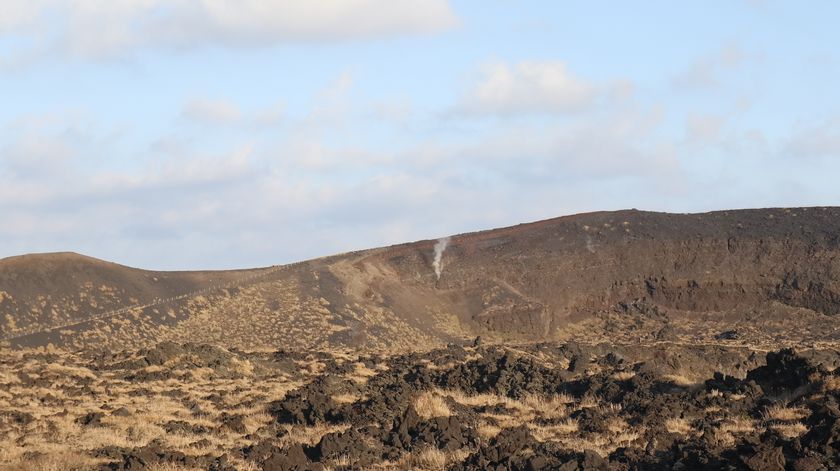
91 419
786 371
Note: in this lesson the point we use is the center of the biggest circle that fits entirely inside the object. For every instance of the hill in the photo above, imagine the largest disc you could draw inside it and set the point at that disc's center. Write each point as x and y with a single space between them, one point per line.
39 292
616 340
757 277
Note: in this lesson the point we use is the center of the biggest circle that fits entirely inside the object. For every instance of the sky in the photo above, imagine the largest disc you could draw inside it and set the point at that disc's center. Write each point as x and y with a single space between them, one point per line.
211 134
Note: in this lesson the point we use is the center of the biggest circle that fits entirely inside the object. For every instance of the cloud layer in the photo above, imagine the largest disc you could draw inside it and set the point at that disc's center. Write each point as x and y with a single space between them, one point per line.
217 133
108 29
528 87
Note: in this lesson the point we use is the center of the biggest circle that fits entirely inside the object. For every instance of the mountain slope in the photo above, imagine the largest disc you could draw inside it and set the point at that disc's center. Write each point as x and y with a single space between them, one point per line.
758 276
41 291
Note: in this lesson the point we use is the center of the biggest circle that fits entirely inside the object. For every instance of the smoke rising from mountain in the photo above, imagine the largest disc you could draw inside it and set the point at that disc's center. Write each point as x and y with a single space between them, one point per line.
440 246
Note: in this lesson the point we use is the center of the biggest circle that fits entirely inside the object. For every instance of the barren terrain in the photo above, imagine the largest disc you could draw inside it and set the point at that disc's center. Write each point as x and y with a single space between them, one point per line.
614 340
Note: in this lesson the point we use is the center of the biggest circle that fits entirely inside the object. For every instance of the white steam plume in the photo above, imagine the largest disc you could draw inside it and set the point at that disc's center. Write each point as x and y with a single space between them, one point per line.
439 248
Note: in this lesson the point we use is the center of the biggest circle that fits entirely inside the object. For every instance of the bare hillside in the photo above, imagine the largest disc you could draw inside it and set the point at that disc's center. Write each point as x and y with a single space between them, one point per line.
758 277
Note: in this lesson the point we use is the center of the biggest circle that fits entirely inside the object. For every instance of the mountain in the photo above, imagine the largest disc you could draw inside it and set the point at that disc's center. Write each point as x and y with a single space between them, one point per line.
762 276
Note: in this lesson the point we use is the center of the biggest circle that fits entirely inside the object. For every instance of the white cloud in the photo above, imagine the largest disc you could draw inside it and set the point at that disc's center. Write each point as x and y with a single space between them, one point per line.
590 149
332 102
816 141
212 111
527 87
308 194
105 29
282 20
704 129
704 73
394 110
183 172
285 196
18 15
49 144
226 113
270 115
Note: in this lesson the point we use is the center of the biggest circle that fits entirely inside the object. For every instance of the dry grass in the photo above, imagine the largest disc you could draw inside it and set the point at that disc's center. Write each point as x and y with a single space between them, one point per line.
779 412
532 406
311 435
154 403
588 402
487 431
71 371
45 442
680 380
255 420
476 400
553 432
617 425
170 467
361 373
347 398
444 367
549 407
738 425
432 459
243 367
429 458
542 414
832 383
610 408
430 404
602 443
623 375
57 461
679 426
790 431
342 461
785 419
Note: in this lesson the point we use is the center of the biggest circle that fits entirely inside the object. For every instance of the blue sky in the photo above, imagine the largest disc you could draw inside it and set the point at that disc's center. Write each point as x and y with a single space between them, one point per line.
175 134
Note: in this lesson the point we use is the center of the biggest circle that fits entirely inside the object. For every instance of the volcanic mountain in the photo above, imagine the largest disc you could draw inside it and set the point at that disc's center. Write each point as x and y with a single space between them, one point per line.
762 277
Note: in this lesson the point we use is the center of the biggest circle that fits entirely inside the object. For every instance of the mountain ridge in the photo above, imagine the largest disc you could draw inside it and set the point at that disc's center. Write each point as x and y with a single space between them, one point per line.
628 273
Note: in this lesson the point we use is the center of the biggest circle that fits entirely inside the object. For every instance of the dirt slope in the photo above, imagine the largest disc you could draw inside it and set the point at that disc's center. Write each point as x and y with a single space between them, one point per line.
764 277
42 291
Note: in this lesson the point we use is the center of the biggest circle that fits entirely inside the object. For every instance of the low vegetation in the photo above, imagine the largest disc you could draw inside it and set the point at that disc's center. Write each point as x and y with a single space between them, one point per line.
191 406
